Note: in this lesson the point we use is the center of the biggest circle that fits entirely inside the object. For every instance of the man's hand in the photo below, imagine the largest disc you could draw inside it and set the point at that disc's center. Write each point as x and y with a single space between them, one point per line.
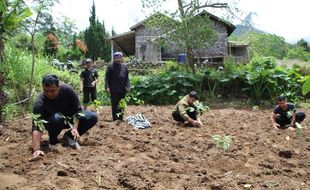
36 155
199 122
195 123
291 128
276 125
127 89
93 83
75 133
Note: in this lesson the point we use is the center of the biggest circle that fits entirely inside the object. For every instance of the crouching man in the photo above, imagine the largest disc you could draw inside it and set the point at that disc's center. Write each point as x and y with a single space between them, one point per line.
185 111
285 116
57 107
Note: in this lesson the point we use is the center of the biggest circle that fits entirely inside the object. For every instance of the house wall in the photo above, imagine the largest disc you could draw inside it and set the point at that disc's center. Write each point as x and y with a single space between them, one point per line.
219 48
147 50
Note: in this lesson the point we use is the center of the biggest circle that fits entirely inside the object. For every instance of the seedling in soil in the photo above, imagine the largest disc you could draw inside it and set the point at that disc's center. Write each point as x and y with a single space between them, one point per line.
255 108
96 104
298 129
122 106
71 120
222 142
98 180
38 122
289 114
199 108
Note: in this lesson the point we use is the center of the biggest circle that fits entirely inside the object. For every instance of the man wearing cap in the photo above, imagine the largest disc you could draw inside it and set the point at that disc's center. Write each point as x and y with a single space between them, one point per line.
89 79
117 84
185 111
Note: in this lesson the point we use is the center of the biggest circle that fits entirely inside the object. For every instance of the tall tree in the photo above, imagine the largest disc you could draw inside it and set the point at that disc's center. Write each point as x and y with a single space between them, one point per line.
304 44
190 31
95 38
39 7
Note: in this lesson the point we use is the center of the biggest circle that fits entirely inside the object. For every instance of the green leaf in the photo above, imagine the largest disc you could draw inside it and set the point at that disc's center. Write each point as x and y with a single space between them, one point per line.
306 87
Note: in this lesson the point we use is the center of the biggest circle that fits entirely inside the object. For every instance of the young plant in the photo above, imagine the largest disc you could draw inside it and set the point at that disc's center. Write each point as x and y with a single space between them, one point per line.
96 104
255 108
199 108
289 114
298 129
71 120
98 180
122 106
222 142
38 122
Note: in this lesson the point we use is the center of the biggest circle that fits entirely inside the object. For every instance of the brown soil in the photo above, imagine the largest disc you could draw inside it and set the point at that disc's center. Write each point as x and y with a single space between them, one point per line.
165 156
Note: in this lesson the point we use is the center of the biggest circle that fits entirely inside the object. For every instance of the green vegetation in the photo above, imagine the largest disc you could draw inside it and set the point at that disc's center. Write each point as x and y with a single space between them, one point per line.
38 122
95 38
222 142
188 25
260 80
26 57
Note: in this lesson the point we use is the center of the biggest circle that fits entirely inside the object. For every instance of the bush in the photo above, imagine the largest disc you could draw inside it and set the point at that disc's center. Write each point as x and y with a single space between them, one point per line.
298 52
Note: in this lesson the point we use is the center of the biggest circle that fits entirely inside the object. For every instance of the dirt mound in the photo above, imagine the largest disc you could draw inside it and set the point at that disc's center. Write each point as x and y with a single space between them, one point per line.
165 156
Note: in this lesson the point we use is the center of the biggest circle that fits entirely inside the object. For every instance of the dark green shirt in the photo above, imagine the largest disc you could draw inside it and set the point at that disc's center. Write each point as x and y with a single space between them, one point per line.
182 106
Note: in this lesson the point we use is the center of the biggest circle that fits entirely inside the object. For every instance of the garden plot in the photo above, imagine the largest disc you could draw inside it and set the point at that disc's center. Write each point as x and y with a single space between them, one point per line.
165 156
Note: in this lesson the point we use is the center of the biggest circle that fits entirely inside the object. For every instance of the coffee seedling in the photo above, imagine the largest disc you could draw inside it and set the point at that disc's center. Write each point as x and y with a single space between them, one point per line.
122 106
38 122
98 180
199 108
222 142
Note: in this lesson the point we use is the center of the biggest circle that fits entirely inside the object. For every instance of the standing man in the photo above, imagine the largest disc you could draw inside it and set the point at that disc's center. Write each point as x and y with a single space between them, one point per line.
185 111
56 107
89 79
117 84
284 115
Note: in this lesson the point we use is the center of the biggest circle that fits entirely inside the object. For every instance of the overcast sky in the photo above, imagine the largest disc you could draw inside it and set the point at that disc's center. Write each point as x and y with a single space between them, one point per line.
289 19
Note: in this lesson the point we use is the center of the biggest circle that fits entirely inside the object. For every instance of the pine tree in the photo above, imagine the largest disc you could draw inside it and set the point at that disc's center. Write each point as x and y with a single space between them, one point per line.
95 38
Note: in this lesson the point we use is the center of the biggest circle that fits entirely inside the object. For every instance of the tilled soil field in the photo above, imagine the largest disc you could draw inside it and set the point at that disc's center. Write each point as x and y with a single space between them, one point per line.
165 156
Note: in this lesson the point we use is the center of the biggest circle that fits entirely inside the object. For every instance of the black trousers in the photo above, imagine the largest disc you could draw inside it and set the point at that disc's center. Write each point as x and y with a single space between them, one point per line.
56 124
282 121
89 92
177 117
117 112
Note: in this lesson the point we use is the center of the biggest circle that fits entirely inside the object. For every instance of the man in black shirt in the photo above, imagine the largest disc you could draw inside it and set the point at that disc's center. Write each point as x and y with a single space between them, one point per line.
117 84
58 105
284 115
89 79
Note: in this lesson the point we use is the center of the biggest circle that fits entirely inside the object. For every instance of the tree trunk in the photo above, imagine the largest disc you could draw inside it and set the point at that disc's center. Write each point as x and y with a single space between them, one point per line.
2 94
191 62
32 67
1 48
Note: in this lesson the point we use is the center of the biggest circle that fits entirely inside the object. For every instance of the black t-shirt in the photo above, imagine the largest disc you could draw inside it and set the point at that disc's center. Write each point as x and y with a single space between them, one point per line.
67 103
285 113
89 76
